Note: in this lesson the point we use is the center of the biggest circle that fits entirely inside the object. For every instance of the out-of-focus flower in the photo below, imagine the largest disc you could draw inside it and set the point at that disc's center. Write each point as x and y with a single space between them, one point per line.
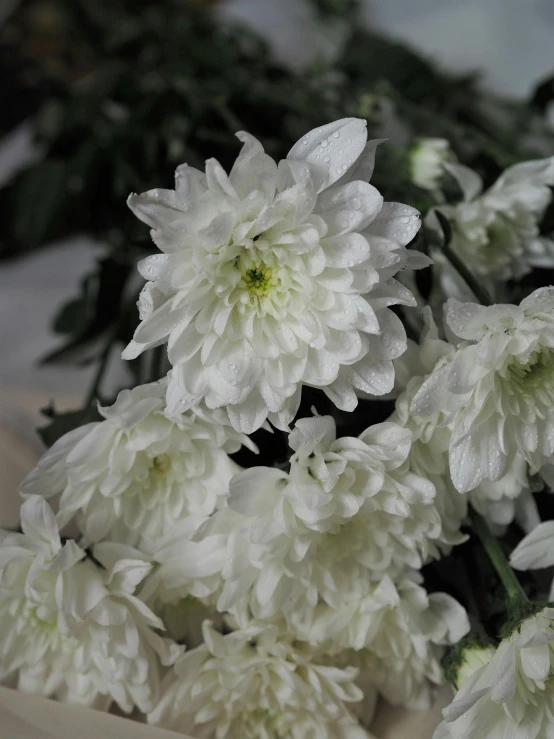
256 683
496 232
72 630
137 473
276 276
427 159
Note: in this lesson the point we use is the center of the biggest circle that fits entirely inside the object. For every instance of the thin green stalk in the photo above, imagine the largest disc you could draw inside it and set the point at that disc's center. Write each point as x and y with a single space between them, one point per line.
468 277
101 368
511 584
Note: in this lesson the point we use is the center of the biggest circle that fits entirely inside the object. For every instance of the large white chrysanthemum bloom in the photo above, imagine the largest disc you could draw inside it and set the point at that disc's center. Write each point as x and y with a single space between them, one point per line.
498 391
396 634
513 695
431 436
71 630
276 276
256 683
138 473
348 513
496 232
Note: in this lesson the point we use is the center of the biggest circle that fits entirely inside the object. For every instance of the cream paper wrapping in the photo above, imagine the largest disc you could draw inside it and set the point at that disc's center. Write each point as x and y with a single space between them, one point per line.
27 717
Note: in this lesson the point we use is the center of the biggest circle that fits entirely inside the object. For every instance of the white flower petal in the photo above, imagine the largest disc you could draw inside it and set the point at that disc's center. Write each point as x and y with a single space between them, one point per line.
333 147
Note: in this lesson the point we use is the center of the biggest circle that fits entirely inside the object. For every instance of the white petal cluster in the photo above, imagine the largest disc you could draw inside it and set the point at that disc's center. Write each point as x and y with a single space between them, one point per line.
347 513
498 390
396 634
137 472
431 437
72 630
332 547
255 683
276 276
513 695
496 232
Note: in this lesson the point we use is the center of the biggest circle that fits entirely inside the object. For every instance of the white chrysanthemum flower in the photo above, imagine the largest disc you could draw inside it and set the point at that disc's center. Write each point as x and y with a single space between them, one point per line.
431 436
348 513
496 232
397 634
256 683
276 276
499 389
513 695
71 630
427 159
138 473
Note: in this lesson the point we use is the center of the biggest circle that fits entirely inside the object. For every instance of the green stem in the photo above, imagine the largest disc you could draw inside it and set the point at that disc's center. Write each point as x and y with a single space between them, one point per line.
468 277
515 592
101 368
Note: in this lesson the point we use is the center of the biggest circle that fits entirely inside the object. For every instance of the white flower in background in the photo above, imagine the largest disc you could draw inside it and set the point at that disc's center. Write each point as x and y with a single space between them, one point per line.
71 630
536 550
496 232
348 513
256 683
513 695
427 159
498 390
396 634
431 436
137 473
276 276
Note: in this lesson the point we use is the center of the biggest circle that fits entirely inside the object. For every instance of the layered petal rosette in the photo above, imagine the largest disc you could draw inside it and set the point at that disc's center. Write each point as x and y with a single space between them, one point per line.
348 513
498 391
513 694
137 472
72 630
276 276
257 683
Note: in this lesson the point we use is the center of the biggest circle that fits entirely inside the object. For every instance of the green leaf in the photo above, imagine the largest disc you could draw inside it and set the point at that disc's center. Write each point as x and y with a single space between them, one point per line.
87 318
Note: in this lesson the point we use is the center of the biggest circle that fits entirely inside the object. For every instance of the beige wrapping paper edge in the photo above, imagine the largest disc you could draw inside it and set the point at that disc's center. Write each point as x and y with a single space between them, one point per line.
28 717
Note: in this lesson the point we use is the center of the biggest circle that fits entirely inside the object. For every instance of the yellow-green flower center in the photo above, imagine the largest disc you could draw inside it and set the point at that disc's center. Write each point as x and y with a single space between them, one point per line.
258 279
536 376
161 464
274 724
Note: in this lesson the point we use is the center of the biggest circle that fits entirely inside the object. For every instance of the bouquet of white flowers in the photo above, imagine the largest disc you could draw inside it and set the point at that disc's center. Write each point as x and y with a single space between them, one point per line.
229 600
394 364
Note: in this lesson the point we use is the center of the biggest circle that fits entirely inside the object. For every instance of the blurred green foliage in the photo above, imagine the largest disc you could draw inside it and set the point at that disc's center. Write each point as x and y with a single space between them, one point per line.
149 84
